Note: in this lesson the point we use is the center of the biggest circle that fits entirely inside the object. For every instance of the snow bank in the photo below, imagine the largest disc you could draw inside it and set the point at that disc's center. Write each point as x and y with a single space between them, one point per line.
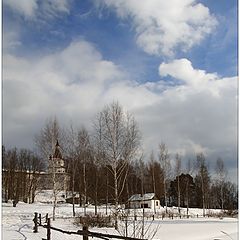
17 224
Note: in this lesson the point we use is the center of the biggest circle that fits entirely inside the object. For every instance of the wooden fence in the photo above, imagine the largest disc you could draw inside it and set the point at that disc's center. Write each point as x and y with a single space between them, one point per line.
38 221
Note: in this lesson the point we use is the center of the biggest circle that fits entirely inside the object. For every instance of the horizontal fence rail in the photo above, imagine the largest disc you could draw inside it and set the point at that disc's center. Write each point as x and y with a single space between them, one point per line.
85 233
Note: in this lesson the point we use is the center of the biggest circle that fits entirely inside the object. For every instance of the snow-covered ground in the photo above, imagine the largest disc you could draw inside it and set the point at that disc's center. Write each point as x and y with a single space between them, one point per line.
17 224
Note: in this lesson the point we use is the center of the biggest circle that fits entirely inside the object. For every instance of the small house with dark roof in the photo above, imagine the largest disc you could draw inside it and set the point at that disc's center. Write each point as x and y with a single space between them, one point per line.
147 200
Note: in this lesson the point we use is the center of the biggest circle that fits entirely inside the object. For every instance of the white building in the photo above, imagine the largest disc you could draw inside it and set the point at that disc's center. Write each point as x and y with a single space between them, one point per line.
147 200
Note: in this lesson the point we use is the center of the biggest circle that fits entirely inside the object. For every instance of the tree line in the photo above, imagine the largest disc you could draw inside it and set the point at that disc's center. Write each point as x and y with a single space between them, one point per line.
106 165
20 174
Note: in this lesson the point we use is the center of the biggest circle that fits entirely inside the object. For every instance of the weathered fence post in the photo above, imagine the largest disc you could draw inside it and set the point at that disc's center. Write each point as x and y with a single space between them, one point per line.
46 218
35 228
40 219
126 225
85 234
48 229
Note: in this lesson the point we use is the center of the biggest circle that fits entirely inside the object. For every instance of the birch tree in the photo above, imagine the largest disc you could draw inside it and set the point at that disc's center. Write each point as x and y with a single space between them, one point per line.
164 161
84 148
189 171
73 157
178 172
221 173
48 136
98 159
46 142
203 174
120 141
151 165
152 170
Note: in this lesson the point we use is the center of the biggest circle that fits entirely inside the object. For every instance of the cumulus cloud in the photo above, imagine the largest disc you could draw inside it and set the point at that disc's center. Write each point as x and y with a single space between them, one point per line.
73 83
198 115
76 82
162 26
183 70
195 80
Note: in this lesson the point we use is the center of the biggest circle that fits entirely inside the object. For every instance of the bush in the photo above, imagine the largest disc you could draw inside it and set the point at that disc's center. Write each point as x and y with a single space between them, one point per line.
231 213
94 221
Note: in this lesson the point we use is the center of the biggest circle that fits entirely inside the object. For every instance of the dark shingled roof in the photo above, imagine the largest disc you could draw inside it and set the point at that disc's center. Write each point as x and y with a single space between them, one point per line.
57 152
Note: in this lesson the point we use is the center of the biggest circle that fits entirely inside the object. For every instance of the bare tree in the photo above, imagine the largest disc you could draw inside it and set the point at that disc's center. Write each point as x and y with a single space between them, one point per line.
73 156
84 147
46 142
48 136
119 141
34 165
51 159
178 172
166 168
98 159
152 169
20 174
221 172
189 170
142 168
204 178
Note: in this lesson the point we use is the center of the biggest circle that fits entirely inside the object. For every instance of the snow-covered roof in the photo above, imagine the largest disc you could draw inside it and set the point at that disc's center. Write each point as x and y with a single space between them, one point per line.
70 195
140 197
46 196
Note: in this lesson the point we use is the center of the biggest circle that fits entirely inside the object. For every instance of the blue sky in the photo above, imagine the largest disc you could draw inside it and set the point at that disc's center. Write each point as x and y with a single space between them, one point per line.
172 64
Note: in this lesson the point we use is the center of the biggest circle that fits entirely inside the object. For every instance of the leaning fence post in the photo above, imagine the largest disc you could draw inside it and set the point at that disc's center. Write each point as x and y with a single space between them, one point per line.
48 229
85 234
35 228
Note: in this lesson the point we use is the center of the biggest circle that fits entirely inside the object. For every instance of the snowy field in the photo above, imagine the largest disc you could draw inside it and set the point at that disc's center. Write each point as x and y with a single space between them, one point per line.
17 224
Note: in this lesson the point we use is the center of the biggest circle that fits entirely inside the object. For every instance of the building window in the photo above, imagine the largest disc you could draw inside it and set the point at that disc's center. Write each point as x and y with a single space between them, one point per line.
156 203
145 205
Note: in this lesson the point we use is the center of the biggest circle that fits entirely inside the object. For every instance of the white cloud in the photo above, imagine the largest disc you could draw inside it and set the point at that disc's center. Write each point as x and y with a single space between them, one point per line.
165 26
76 82
182 69
52 8
27 8
73 84
32 9
11 40
195 80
